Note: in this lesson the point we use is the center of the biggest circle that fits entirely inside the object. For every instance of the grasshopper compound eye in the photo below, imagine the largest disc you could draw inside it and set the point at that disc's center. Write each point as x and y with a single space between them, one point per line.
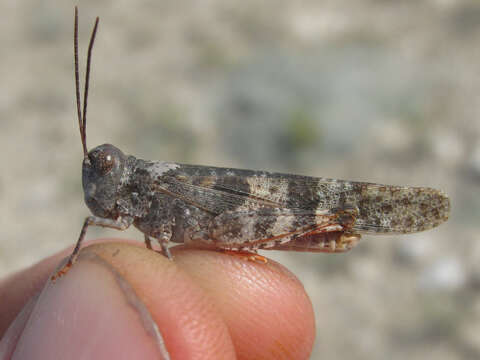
102 159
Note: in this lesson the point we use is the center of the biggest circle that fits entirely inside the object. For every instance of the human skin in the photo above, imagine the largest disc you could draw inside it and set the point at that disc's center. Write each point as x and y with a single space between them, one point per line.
121 300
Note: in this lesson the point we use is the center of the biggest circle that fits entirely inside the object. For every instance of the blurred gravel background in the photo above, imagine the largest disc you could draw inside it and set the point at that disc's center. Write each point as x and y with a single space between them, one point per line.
381 91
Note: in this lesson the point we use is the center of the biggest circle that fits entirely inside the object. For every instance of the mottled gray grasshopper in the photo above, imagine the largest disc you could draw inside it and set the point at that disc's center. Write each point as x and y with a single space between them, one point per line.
243 210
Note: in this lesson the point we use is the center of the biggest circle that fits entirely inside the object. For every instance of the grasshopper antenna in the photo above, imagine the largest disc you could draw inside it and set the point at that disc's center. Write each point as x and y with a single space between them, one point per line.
82 119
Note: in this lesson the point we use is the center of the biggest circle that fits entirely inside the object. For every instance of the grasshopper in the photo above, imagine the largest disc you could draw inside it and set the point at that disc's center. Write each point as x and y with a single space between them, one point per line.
239 210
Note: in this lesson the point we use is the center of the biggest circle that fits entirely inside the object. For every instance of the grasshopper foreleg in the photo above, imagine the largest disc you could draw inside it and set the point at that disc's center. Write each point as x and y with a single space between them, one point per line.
121 223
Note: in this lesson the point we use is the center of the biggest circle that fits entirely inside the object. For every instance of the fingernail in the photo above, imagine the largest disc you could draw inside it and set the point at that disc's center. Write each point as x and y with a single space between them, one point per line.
90 313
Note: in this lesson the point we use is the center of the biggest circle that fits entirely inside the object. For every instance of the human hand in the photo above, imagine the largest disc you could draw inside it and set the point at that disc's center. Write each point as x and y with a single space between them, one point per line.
123 301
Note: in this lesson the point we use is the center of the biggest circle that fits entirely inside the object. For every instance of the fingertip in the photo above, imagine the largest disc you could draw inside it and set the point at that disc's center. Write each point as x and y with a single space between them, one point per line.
205 304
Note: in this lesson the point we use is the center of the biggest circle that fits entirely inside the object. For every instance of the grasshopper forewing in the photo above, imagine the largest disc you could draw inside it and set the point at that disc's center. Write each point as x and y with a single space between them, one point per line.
252 210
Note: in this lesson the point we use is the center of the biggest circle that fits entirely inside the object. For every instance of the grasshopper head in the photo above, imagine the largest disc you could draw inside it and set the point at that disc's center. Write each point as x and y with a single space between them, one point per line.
102 172
103 166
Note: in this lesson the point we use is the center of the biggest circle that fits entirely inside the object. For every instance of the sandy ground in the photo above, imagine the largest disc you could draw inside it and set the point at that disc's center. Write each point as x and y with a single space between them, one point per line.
374 91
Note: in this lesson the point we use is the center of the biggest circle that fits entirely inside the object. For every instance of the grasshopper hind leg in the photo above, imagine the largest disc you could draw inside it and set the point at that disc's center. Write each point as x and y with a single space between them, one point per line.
329 242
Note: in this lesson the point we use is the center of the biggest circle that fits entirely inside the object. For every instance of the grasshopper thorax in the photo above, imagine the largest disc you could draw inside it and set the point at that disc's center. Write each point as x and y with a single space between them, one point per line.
102 172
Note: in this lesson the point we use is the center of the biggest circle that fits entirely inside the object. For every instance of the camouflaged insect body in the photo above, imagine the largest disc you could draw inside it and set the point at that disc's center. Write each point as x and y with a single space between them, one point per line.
248 210
235 209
